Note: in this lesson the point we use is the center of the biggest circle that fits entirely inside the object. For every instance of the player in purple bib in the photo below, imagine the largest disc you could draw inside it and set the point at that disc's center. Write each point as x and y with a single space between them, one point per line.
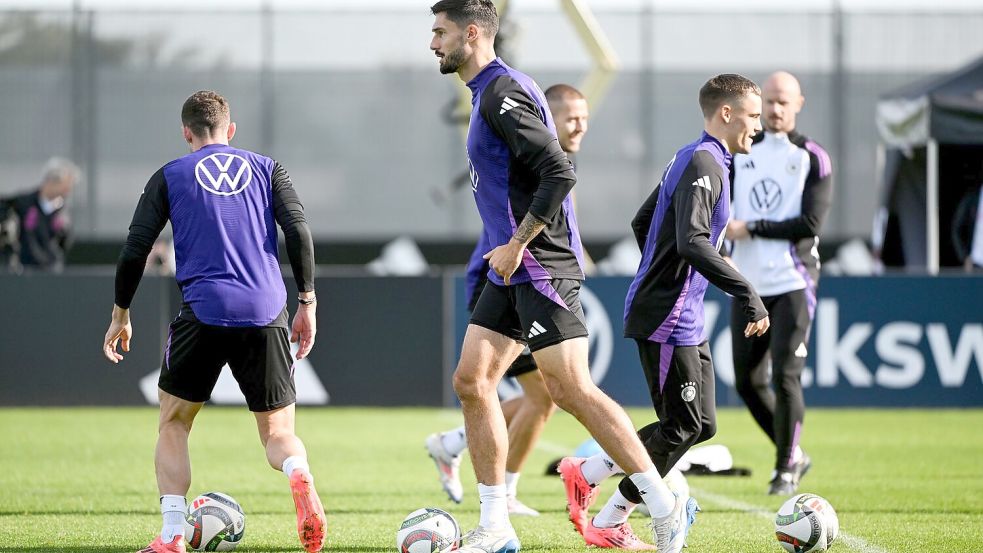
224 204
521 181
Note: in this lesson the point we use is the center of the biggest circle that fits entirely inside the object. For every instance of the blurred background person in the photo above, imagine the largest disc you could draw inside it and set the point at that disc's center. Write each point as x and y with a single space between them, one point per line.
782 193
43 230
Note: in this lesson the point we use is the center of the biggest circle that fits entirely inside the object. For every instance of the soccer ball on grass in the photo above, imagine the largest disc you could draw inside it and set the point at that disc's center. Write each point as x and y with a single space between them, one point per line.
214 522
428 530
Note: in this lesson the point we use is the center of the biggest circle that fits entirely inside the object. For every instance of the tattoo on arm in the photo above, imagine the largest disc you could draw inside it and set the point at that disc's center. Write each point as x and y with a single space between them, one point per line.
528 229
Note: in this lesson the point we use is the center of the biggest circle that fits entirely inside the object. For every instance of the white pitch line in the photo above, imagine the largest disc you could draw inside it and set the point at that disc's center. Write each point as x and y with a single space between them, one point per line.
554 448
852 541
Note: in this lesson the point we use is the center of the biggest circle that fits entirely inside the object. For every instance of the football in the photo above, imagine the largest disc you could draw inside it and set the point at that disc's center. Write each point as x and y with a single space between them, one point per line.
829 515
428 530
215 522
801 524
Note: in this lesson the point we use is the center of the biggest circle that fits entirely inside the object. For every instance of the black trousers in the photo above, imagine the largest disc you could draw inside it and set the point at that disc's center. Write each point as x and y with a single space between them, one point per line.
775 397
681 383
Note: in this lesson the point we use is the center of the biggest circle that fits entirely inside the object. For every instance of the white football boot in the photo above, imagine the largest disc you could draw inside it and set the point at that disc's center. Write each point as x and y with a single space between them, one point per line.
448 467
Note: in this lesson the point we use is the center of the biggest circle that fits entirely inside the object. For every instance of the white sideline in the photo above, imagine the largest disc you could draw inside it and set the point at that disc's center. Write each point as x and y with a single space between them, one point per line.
554 448
854 542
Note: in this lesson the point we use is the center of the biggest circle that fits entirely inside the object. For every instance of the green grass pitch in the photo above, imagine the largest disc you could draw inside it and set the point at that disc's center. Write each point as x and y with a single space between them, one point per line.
81 480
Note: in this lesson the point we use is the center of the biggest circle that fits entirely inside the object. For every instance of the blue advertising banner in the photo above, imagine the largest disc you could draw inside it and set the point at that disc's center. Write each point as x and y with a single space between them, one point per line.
884 342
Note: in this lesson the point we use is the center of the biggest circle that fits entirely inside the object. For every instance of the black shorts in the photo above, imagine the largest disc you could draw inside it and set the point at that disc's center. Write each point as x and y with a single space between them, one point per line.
259 357
524 363
540 313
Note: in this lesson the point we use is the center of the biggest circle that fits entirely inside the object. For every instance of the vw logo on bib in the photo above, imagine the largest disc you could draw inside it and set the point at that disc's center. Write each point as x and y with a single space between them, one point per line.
224 174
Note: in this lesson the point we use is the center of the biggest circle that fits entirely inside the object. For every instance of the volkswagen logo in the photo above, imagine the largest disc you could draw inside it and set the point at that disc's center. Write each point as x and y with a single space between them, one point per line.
223 174
766 196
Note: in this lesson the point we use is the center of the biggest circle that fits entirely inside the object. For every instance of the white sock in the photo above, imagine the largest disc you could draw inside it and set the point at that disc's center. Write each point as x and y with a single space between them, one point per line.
657 496
494 507
455 441
172 509
290 464
599 468
615 511
511 483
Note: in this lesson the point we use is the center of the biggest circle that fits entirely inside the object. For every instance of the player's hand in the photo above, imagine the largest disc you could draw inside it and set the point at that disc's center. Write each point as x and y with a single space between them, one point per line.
304 329
737 230
120 330
505 259
757 328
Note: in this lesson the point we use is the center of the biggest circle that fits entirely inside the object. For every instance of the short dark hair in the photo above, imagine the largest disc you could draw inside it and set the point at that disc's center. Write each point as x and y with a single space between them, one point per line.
559 92
204 112
465 12
723 89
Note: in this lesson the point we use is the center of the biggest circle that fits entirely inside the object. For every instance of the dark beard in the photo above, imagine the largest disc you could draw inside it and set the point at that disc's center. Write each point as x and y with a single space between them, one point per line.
452 61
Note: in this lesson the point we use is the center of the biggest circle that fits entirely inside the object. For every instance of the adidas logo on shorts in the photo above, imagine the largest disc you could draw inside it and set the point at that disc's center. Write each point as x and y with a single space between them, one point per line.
536 330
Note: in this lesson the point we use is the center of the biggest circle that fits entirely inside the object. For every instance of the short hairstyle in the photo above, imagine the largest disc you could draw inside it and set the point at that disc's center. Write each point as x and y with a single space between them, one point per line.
560 92
59 168
723 89
465 12
204 112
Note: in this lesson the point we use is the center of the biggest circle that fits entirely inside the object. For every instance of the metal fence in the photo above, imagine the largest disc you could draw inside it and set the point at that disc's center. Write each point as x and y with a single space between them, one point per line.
349 99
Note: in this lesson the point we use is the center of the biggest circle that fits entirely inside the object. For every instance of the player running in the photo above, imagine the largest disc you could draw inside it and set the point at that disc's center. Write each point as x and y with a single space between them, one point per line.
680 228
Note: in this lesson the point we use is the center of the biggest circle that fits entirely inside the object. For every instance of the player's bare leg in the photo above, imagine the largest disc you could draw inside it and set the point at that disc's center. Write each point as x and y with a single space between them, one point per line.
533 410
565 369
276 432
511 407
485 357
286 452
526 424
173 467
171 459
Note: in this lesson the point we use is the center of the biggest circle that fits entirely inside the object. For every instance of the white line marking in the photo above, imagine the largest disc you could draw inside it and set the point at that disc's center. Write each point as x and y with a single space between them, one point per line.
554 448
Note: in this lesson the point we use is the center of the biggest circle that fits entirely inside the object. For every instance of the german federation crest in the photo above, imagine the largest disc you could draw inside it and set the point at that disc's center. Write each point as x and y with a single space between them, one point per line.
223 174
688 391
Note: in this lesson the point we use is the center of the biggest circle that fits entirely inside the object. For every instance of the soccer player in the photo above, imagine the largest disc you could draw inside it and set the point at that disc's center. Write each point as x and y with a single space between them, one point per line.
526 415
782 193
223 204
521 181
680 228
